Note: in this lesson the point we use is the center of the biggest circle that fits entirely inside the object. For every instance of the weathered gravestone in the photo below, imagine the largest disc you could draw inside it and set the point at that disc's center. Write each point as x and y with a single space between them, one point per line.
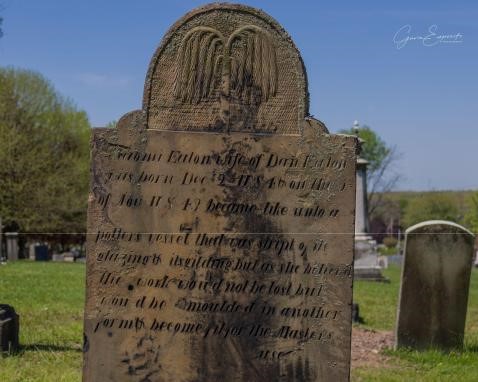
12 245
221 220
434 289
9 328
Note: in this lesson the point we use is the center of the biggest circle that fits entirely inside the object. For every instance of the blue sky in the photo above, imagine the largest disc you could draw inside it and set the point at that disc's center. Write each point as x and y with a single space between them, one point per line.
423 99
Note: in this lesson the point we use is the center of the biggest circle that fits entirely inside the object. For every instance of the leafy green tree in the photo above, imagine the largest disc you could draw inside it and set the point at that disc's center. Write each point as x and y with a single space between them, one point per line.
381 176
44 152
471 217
431 206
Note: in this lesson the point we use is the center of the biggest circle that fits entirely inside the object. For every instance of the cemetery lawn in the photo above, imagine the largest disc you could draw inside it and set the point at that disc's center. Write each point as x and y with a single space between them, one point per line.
378 305
49 298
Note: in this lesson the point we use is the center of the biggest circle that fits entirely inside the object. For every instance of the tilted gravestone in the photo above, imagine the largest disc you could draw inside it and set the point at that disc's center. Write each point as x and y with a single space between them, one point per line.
221 219
434 287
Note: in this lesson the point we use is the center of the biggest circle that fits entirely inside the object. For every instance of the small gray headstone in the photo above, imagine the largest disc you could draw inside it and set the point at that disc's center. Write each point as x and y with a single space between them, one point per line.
57 257
435 282
68 257
31 251
12 245
9 327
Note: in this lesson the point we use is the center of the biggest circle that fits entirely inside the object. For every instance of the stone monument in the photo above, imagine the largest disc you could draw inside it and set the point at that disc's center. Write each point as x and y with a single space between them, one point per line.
216 247
367 264
361 204
434 287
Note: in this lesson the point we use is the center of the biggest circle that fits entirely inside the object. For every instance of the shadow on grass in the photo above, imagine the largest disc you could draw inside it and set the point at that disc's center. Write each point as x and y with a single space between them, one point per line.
44 347
49 347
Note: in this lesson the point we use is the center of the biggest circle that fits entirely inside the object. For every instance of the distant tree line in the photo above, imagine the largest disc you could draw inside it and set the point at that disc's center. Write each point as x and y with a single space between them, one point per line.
44 156
391 211
401 210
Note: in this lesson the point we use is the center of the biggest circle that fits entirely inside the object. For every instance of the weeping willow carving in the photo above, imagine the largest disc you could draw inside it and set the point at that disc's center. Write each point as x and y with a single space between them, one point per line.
245 61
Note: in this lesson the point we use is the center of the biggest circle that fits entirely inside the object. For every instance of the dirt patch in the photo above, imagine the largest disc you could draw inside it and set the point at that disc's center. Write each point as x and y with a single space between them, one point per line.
368 346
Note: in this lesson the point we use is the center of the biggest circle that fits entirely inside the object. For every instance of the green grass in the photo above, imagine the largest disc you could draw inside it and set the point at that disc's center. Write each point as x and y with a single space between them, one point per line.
49 298
378 301
378 307
388 251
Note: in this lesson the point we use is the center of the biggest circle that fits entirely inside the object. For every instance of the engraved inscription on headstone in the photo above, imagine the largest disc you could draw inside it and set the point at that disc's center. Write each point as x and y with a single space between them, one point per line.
435 282
221 219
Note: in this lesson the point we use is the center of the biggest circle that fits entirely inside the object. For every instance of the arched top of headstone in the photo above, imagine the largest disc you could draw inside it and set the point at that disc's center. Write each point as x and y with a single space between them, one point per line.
432 226
226 67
